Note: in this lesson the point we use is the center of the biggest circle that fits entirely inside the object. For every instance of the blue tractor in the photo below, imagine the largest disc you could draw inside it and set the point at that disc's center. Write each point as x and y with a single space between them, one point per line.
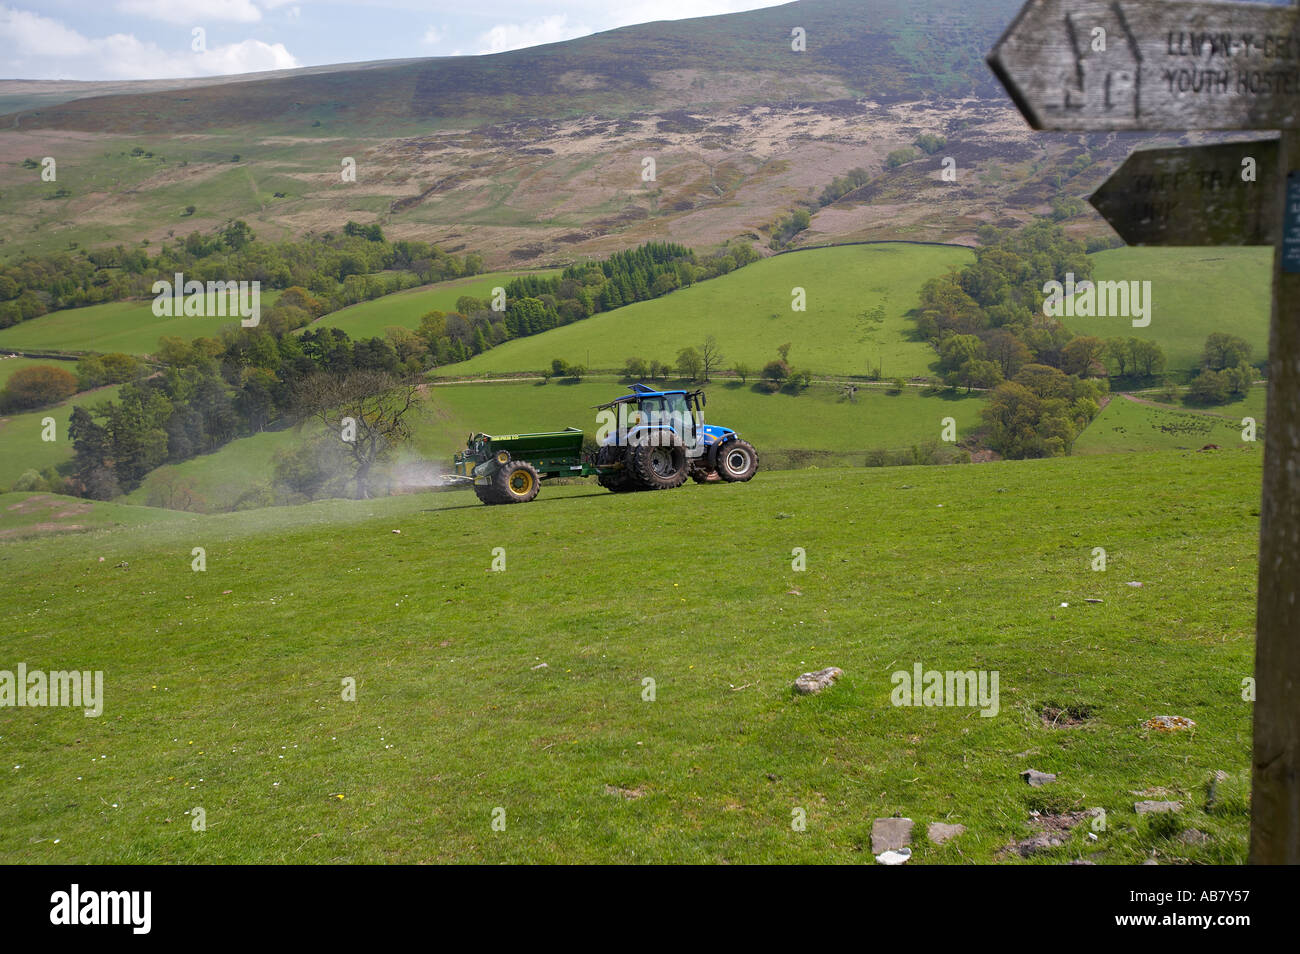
654 440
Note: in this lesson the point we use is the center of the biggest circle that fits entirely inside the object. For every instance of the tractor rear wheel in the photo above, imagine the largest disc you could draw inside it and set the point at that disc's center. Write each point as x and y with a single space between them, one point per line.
660 468
617 481
737 461
517 482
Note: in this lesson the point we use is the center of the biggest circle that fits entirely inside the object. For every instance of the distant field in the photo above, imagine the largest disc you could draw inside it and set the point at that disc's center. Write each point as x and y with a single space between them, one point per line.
9 365
370 318
1128 426
780 426
21 446
127 326
749 311
1195 293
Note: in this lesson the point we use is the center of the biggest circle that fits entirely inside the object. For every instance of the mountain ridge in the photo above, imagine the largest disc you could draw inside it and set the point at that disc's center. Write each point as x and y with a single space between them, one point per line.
885 50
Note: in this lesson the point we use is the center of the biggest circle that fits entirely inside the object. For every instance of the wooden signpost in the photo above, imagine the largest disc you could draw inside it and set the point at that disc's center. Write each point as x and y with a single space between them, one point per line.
1200 195
1102 65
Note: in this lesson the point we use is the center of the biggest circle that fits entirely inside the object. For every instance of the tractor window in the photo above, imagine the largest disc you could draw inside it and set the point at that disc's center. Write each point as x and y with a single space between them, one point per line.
640 413
683 420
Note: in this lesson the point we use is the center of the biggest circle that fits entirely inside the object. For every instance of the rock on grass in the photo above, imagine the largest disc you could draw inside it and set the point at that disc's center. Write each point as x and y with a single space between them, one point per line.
811 683
1156 808
940 832
890 834
1036 778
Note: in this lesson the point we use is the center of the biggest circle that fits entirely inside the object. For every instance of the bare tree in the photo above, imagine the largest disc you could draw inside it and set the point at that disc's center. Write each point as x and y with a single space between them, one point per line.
710 357
370 411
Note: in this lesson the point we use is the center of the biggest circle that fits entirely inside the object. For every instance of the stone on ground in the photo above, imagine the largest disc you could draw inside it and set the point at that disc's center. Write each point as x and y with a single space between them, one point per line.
811 683
939 832
890 834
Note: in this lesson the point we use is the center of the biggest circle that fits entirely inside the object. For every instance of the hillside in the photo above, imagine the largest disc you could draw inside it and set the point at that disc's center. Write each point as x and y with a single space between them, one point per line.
536 157
538 707
750 313
889 50
1195 292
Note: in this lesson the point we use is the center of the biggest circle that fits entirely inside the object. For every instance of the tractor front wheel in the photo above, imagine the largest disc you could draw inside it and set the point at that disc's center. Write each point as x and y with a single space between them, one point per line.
517 482
737 462
660 468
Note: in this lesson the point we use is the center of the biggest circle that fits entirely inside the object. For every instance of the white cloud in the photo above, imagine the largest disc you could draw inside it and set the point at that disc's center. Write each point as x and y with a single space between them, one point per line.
38 47
250 56
433 36
187 12
516 36
26 32
627 12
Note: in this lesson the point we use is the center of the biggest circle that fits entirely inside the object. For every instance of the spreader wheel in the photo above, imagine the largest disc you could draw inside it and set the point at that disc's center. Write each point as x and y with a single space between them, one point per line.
517 482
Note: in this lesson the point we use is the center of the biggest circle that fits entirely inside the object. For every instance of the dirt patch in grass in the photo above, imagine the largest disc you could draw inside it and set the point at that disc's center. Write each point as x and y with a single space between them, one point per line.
1064 717
30 505
40 528
1053 831
53 509
628 793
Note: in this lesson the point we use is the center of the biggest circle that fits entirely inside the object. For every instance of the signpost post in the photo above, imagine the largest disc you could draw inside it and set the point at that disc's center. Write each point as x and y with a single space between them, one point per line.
1103 65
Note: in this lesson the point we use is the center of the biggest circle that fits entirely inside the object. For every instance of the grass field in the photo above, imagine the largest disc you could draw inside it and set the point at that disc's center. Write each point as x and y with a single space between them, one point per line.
521 694
371 318
749 311
126 326
8 365
1125 425
817 427
1195 292
21 445
132 327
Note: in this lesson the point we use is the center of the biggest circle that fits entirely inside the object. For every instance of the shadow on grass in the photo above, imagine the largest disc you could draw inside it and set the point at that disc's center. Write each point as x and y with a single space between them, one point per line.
541 498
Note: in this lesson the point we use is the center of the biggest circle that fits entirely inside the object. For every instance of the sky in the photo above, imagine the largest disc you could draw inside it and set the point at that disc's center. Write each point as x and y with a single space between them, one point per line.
160 39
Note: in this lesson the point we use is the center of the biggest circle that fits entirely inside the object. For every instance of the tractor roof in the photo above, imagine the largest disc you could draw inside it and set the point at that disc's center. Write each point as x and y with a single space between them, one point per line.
640 391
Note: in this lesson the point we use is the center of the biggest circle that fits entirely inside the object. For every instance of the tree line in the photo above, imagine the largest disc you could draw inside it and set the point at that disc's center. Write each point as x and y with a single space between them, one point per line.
337 269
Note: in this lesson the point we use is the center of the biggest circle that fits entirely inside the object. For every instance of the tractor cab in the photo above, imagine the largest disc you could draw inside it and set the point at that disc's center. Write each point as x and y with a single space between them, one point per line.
648 415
